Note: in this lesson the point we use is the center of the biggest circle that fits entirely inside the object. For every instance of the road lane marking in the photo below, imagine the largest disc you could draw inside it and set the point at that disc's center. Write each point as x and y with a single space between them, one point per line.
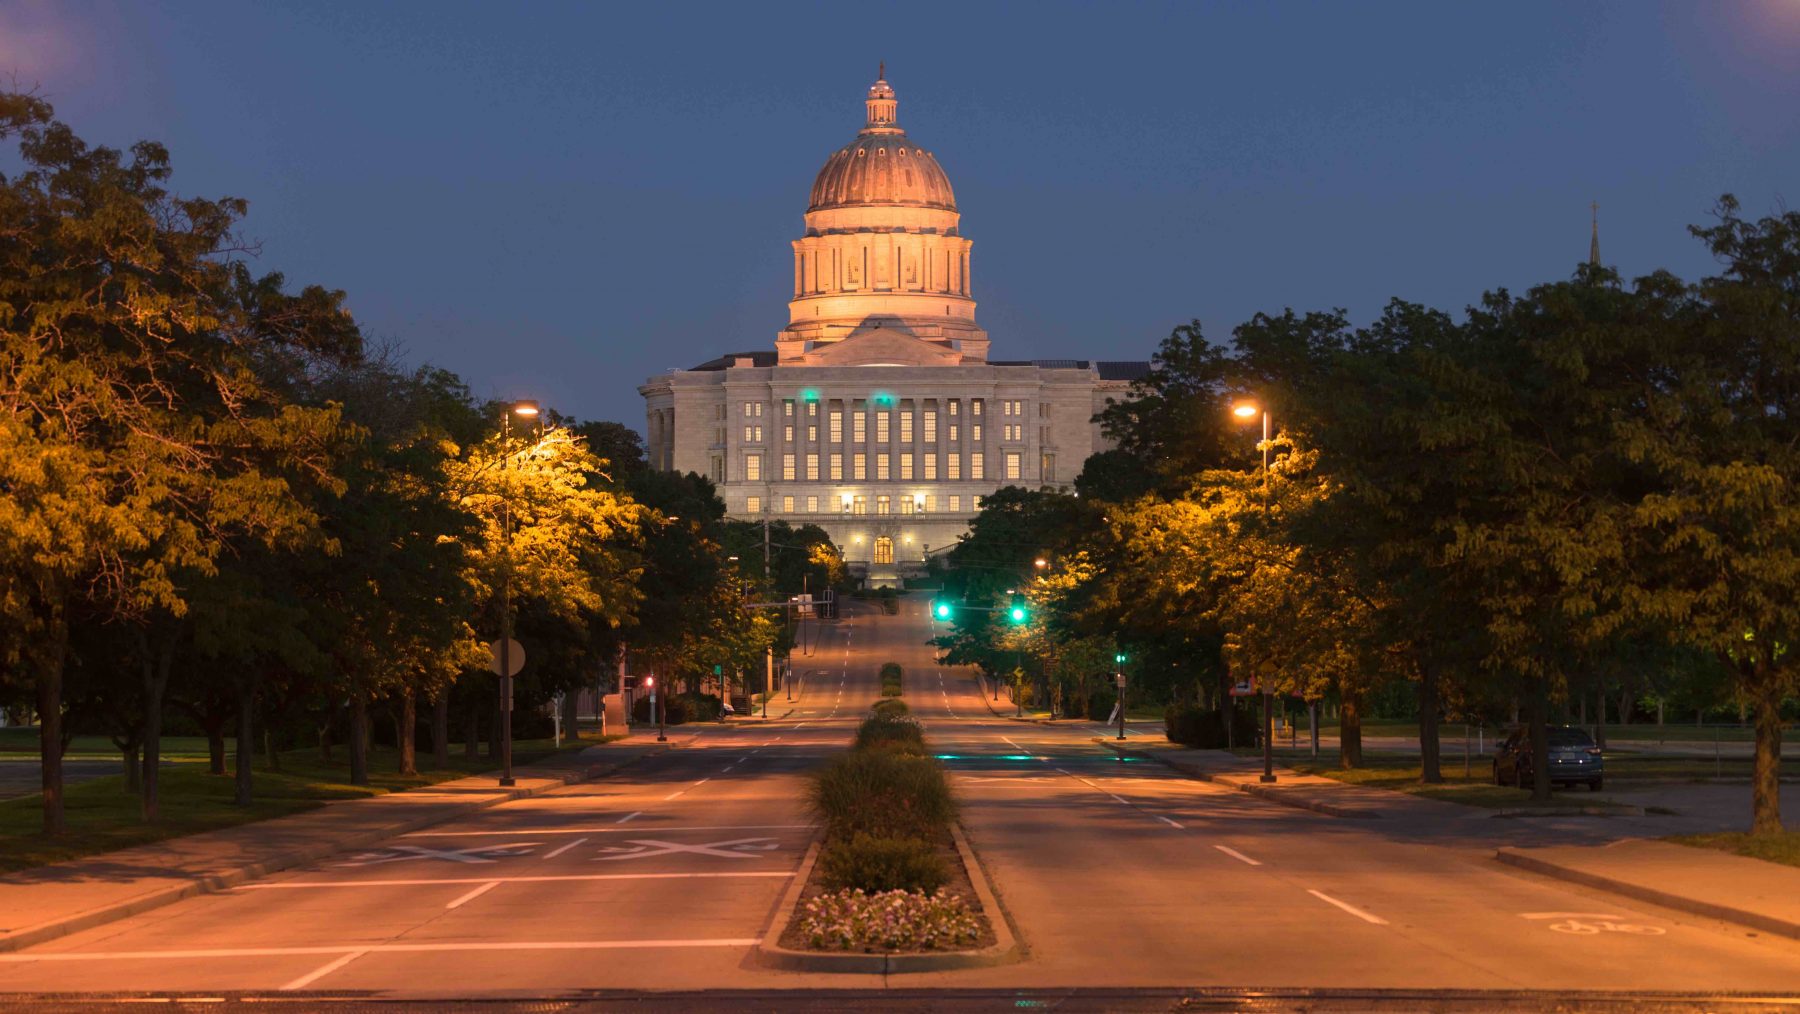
1352 909
634 813
561 849
322 971
701 782
1239 856
647 848
1167 821
472 895
672 795
295 885
353 953
409 853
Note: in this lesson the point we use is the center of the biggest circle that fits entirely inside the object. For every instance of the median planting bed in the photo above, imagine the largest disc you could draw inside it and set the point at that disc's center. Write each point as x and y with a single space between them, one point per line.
889 877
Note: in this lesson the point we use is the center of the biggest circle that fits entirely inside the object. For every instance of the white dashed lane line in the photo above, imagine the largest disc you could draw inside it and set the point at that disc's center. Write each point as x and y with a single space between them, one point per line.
1239 856
1352 909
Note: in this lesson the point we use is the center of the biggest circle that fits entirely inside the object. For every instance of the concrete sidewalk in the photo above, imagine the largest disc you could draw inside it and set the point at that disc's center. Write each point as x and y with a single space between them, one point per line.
51 901
1706 882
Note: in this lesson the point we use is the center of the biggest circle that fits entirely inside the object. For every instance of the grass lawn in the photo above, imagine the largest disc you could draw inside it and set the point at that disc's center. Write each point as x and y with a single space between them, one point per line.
22 741
102 816
1781 848
1636 733
1401 774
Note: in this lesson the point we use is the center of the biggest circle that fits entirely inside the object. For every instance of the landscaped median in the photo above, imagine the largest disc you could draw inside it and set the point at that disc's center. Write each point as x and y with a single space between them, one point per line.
891 885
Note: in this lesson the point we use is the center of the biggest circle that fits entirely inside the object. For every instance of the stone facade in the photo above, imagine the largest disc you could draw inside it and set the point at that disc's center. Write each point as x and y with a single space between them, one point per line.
879 416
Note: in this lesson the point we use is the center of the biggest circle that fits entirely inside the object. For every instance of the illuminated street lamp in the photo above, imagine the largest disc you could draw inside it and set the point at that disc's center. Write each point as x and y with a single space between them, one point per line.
1250 410
1119 681
524 410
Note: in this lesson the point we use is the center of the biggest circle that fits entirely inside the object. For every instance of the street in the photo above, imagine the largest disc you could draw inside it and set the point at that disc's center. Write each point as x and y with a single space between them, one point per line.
1114 873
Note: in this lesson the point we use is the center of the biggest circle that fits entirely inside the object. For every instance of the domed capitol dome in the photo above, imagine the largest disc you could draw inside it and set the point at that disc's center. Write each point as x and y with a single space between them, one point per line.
882 166
882 247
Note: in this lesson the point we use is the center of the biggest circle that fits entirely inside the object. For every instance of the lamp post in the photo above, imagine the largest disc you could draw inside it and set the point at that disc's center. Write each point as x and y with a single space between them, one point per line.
1249 410
1119 684
524 410
650 681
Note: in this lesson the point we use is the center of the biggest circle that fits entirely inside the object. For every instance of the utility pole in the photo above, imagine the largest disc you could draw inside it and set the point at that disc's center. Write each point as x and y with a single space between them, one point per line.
769 652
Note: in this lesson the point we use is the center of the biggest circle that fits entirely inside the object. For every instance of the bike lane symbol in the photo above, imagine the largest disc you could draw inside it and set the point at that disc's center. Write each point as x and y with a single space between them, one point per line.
1587 924
408 853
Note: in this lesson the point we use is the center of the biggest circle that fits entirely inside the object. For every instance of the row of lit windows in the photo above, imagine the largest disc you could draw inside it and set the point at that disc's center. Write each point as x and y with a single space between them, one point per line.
794 466
920 503
753 433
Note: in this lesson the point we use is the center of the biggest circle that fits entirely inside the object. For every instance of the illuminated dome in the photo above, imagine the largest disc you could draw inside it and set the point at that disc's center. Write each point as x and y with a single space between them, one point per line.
881 166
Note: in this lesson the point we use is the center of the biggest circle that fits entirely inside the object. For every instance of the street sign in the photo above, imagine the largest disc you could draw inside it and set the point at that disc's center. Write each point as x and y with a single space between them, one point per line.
1119 678
515 657
1244 688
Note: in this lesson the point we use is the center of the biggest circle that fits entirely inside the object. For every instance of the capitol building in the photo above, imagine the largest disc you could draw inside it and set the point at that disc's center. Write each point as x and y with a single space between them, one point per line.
879 415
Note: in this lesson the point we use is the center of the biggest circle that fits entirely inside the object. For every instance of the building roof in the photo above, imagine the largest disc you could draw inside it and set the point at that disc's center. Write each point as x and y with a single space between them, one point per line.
729 359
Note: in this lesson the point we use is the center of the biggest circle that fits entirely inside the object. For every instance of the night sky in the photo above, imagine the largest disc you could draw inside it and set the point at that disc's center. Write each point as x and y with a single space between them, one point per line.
557 200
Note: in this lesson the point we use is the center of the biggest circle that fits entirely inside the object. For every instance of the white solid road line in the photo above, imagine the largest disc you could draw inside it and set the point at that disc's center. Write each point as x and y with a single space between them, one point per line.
322 971
356 952
472 895
1167 821
630 815
296 885
1352 909
610 829
1239 856
559 851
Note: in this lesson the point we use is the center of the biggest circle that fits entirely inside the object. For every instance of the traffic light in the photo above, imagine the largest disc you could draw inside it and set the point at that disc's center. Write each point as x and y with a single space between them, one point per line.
941 610
1017 613
1119 659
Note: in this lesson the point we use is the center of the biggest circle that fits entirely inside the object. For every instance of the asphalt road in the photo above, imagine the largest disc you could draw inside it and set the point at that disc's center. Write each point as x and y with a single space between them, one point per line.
1115 874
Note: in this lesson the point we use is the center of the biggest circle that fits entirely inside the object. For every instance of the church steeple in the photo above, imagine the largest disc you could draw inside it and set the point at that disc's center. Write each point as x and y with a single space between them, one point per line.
882 105
1594 242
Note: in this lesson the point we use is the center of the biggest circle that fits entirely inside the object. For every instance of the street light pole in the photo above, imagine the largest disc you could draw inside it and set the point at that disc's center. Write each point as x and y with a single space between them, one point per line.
769 652
1249 411
527 410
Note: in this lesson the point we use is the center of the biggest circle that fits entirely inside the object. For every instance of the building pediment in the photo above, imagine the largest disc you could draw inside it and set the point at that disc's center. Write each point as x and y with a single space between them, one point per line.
880 346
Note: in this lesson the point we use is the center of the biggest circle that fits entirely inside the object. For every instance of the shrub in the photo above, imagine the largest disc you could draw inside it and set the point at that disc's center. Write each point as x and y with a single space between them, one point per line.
894 920
702 707
675 710
891 732
891 706
885 793
882 864
891 675
1188 725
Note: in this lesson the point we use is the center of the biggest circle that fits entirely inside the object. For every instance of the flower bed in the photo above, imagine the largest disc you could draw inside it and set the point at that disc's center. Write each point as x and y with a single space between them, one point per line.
888 921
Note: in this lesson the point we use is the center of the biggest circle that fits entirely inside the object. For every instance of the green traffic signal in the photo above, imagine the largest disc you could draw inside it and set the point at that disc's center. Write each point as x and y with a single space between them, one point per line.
1119 658
1018 614
942 609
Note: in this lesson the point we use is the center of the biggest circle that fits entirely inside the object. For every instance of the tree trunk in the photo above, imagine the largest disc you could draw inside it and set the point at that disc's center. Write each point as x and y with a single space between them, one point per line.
215 744
409 725
359 739
1600 713
246 740
1540 740
271 756
572 713
156 680
1765 779
440 729
134 776
326 721
1350 733
49 706
1430 749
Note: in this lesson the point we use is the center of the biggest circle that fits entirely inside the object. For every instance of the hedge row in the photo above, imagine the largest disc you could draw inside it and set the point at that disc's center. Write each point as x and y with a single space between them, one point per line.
884 805
891 674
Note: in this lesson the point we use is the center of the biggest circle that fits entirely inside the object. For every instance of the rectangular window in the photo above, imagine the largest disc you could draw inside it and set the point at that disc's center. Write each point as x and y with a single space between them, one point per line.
787 505
748 430
812 468
747 407
977 466
812 505
955 433
837 426
787 467
906 427
955 503
787 434
953 466
812 434
883 505
861 505
759 410
753 468
859 466
812 410
975 504
881 427
955 406
753 505
930 465
931 426
930 503
906 465
787 408
881 466
1012 464
1047 468
717 472
975 432
975 407
906 505
837 466
859 426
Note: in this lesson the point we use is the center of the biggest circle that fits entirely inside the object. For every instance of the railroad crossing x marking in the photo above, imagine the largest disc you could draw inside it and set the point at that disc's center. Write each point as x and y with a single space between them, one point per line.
407 853
644 848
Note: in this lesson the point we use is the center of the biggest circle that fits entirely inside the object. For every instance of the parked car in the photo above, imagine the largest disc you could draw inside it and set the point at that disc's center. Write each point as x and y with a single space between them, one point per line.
1573 758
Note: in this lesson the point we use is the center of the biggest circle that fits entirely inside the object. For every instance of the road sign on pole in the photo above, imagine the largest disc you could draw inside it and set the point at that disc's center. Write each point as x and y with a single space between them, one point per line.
515 659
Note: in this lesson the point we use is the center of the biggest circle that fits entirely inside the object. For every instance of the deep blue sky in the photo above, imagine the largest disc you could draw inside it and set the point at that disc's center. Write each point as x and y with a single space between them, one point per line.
558 200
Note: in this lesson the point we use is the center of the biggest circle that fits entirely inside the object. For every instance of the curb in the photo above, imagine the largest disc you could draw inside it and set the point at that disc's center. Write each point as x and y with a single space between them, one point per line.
1638 892
31 936
770 954
1274 795
1613 810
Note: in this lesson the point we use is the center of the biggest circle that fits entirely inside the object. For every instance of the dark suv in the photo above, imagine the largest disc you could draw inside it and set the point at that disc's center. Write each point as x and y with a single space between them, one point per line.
1573 758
